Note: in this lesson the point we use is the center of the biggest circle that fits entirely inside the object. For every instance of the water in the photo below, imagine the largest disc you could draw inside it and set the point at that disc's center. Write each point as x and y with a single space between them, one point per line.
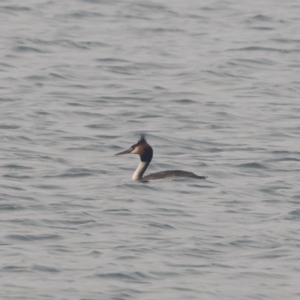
214 85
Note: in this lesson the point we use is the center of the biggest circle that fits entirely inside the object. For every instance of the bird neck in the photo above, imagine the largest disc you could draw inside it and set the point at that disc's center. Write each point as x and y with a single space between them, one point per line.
140 170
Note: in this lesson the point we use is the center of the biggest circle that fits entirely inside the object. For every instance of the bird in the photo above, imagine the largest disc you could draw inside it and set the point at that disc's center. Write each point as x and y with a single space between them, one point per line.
145 151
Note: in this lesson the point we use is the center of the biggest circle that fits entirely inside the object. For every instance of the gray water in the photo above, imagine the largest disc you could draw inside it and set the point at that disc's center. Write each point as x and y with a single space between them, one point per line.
214 85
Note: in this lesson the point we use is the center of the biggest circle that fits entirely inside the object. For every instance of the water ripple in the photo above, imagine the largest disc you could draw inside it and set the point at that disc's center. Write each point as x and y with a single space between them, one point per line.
29 238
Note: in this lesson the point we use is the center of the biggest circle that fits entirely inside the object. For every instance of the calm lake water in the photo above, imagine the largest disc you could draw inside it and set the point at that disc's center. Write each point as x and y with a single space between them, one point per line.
215 87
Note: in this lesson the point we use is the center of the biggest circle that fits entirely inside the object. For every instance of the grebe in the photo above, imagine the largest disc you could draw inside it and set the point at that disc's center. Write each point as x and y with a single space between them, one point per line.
145 151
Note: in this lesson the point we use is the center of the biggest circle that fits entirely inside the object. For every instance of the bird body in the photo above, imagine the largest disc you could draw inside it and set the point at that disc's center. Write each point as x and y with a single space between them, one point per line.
145 151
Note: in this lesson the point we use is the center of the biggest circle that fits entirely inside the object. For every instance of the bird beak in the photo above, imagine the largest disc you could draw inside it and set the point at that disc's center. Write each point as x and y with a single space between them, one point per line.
124 152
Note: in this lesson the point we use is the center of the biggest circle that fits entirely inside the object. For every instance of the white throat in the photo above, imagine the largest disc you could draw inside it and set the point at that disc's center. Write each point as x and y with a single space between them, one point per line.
140 170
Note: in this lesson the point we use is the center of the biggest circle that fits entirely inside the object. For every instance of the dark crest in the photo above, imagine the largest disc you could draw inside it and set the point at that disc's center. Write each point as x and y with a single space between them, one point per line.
141 141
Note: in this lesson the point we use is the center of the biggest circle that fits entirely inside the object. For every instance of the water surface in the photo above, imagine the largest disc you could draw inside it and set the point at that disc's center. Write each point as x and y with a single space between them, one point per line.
213 85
